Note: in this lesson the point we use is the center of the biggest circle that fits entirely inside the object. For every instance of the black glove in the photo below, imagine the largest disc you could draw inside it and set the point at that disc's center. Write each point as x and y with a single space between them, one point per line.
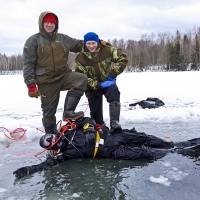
21 172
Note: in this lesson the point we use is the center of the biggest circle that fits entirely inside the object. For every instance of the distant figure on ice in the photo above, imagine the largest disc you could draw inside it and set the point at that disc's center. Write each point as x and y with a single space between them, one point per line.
102 64
46 72
83 139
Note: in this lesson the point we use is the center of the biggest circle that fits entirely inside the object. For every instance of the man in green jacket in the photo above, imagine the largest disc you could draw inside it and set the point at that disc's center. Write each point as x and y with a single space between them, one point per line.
46 72
102 64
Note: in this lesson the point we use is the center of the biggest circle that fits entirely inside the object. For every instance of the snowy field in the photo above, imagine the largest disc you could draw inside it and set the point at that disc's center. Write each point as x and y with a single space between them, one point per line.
178 90
173 177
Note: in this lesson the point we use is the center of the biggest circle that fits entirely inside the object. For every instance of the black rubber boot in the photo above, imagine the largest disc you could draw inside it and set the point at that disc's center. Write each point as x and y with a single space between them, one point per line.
71 102
114 109
50 125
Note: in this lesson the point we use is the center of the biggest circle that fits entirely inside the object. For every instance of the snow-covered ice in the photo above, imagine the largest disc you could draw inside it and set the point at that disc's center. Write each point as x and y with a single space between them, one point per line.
177 120
160 180
178 90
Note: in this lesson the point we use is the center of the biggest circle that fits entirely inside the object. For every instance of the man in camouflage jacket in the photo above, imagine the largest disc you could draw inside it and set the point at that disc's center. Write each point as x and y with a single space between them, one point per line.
46 72
102 64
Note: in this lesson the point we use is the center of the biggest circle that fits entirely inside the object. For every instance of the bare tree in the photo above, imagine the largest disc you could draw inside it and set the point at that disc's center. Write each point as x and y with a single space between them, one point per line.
163 51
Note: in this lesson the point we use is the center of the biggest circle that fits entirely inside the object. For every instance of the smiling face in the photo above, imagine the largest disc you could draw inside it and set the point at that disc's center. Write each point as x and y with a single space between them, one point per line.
91 46
49 27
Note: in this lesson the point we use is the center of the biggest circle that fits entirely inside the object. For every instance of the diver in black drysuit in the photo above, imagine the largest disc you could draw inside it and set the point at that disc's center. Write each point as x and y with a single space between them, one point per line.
123 145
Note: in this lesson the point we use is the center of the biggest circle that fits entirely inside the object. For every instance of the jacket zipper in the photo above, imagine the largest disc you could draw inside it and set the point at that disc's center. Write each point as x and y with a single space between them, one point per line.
52 56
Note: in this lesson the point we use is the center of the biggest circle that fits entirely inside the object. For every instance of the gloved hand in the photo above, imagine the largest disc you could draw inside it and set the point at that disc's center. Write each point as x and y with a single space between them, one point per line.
33 90
23 171
108 82
103 42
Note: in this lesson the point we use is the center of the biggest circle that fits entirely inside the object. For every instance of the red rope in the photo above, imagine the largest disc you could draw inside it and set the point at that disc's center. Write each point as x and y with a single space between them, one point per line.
18 130
14 135
40 152
61 130
69 126
40 130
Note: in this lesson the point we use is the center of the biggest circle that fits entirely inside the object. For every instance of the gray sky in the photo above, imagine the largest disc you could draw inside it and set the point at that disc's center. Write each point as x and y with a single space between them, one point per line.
127 19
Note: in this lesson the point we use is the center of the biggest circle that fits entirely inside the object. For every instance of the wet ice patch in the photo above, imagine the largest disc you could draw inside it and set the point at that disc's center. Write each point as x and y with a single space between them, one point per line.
166 164
75 195
2 190
175 168
8 156
176 175
160 180
11 198
170 175
4 141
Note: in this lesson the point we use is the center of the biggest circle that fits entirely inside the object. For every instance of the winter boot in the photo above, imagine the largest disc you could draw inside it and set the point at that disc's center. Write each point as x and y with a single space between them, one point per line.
52 131
50 125
114 109
71 101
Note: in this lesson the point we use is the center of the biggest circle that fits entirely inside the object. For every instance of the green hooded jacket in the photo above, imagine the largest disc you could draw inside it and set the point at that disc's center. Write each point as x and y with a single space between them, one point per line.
45 55
106 61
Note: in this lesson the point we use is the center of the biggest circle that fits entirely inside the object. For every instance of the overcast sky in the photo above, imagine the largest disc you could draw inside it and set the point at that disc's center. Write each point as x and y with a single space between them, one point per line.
127 19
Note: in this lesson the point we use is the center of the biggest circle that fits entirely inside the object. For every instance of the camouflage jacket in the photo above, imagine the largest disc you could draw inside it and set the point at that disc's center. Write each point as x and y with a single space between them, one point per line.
45 55
106 61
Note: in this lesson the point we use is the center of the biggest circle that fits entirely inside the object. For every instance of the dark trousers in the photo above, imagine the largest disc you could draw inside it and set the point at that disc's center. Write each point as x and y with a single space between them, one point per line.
50 94
95 100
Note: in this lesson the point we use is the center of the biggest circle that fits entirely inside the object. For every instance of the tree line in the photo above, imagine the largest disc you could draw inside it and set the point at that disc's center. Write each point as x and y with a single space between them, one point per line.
178 52
10 63
164 51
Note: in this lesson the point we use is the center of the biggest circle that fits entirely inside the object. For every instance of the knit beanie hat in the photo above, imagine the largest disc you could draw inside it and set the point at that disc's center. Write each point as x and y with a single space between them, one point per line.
91 36
50 18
